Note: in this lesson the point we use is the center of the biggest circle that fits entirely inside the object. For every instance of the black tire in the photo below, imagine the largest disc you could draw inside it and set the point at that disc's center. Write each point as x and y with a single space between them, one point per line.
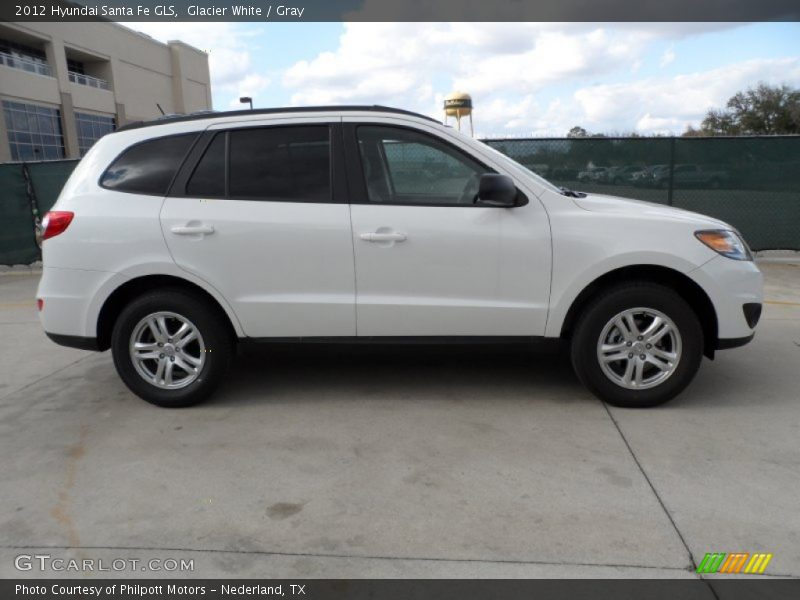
613 301
217 338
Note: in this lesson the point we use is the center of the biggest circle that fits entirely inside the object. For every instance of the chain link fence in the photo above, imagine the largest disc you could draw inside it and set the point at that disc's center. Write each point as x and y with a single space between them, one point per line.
753 183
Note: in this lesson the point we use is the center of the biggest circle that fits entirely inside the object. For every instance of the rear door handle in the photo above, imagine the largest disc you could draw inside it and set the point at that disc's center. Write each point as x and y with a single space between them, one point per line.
192 230
374 236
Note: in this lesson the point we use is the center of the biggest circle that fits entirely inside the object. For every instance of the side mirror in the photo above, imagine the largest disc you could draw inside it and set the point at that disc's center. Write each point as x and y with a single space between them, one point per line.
498 190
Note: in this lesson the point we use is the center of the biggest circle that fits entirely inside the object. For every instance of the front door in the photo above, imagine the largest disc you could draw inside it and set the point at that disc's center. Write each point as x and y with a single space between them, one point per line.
428 261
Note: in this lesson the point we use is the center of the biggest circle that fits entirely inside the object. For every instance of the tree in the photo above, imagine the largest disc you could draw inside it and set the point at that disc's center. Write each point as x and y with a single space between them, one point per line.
692 132
577 132
762 109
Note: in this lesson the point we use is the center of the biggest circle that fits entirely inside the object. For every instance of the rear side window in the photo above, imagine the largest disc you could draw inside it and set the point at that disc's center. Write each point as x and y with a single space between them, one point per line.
280 163
148 167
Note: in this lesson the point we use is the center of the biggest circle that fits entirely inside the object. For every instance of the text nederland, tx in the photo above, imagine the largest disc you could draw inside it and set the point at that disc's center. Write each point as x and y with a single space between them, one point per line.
193 10
171 589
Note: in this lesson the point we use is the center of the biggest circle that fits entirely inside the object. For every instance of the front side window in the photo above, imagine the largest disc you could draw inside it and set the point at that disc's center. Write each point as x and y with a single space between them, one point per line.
148 167
409 167
290 164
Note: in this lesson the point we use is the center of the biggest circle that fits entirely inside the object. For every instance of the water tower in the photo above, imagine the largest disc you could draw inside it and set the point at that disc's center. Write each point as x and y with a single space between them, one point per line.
458 104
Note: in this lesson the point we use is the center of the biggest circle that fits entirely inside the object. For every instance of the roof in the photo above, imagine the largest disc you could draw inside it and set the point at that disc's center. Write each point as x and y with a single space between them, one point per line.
269 111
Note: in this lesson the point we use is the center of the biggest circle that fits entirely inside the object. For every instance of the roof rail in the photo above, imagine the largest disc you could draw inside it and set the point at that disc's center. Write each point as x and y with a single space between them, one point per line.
267 111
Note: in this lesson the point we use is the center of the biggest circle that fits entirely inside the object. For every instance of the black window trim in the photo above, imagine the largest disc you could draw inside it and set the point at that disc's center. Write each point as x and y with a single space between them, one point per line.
338 185
179 187
181 163
355 167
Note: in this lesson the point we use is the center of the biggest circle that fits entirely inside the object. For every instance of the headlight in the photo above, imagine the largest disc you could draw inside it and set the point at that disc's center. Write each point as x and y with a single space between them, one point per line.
726 242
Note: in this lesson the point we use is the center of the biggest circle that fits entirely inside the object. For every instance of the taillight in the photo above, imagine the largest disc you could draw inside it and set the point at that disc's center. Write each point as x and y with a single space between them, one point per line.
40 304
55 222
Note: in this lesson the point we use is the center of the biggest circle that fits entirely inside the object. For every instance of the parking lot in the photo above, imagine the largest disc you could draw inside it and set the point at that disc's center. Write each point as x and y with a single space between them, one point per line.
409 462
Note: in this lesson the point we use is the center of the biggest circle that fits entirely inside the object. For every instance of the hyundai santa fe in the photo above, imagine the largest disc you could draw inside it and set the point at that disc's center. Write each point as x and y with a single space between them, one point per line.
174 240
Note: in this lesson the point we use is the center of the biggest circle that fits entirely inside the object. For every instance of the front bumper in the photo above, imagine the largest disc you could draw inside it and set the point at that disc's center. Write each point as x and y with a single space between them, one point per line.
734 287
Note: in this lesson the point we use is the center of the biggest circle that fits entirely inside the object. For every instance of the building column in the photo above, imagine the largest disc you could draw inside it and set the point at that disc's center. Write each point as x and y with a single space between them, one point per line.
57 59
122 118
178 95
69 127
5 147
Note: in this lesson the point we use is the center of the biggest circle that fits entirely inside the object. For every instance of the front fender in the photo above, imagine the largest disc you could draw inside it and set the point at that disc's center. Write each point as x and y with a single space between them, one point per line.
566 289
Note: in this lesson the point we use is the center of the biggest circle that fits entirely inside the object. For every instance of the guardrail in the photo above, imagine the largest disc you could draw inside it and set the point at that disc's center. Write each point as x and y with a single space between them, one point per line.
82 79
25 64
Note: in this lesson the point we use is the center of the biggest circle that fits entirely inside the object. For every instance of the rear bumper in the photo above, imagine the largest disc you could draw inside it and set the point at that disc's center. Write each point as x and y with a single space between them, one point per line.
75 341
73 299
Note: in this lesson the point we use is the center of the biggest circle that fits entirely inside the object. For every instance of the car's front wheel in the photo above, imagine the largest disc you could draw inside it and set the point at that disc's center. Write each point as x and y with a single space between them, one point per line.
171 348
637 345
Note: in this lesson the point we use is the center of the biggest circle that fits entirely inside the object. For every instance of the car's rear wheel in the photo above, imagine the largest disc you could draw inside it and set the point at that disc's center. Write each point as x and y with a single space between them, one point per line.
637 345
171 348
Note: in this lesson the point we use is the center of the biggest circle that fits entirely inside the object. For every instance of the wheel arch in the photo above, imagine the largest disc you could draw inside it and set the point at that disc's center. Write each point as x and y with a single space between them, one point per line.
137 286
687 288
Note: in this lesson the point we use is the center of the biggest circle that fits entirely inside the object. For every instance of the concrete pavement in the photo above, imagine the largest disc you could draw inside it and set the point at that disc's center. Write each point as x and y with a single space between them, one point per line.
400 462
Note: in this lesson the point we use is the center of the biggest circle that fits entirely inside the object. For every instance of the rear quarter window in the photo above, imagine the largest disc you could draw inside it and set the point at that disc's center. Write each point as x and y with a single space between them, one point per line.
148 167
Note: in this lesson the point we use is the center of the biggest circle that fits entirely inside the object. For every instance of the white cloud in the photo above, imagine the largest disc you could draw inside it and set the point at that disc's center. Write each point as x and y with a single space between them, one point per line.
250 85
387 59
667 58
659 105
505 66
511 69
229 58
375 62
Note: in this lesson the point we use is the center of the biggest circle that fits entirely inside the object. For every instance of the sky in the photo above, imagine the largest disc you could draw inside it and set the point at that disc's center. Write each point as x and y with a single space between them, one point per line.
526 79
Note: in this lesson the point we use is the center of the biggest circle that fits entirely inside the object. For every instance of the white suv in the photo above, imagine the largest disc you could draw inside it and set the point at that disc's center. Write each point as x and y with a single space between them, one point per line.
175 239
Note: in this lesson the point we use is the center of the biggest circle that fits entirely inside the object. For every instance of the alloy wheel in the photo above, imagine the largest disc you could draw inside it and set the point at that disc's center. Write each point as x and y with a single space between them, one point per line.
639 348
167 350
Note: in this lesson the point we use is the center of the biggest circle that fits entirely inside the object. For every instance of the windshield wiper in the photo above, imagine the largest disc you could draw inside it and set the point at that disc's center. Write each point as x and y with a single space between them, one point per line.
571 193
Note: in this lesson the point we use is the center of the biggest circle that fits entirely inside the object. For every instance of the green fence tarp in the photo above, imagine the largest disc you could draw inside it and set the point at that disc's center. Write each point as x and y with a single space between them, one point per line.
21 204
17 237
48 179
753 183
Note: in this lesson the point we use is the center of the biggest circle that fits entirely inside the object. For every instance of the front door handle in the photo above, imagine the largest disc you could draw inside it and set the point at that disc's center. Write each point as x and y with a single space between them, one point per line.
192 230
376 236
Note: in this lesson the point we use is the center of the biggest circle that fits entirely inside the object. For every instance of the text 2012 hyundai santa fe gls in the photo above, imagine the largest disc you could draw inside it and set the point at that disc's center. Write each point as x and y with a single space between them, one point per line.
174 239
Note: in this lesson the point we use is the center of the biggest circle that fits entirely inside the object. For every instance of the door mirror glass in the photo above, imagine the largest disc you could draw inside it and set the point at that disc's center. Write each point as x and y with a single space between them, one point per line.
497 190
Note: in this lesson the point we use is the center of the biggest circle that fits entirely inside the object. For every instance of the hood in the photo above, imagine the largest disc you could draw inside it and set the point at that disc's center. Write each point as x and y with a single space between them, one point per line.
614 204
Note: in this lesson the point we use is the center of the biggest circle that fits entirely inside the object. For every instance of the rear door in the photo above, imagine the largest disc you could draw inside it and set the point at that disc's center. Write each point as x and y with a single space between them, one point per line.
259 213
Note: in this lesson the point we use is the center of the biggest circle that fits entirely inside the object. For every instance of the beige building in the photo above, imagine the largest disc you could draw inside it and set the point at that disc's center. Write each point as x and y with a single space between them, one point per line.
63 85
